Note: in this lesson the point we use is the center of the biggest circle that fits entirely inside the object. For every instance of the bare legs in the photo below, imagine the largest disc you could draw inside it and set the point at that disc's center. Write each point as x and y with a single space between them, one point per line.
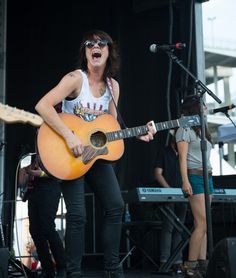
197 244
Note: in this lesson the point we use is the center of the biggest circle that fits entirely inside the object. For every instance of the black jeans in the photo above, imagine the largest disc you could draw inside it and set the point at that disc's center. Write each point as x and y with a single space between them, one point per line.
103 182
42 208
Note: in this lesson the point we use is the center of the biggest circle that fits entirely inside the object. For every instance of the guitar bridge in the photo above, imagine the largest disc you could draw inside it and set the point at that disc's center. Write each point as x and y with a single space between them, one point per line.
90 153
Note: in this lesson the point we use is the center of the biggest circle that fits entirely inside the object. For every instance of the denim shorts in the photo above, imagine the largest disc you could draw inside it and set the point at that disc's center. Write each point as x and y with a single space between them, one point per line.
197 184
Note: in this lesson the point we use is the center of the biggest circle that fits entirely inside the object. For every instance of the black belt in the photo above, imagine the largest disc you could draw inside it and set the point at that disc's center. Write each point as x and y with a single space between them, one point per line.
198 172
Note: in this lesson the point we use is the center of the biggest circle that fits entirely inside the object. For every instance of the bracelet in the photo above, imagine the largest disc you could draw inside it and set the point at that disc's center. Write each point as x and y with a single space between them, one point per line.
42 174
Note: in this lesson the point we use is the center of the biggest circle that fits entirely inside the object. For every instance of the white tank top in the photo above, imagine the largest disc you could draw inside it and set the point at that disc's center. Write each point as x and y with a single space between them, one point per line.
86 106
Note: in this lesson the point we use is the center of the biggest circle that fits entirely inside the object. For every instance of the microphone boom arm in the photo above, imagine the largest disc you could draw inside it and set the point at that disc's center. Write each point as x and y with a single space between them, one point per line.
198 82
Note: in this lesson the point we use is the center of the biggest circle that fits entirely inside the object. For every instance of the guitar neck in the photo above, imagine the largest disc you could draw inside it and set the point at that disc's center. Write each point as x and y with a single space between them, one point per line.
140 130
10 114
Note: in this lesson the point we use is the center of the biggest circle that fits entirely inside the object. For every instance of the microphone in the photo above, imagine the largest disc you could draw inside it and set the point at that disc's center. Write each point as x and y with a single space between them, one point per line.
223 109
155 47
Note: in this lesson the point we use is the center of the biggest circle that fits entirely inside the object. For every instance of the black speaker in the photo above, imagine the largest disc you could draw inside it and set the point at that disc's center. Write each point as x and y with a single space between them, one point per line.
222 264
4 257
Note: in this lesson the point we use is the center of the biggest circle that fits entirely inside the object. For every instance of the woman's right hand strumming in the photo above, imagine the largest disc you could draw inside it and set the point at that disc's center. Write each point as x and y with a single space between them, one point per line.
74 144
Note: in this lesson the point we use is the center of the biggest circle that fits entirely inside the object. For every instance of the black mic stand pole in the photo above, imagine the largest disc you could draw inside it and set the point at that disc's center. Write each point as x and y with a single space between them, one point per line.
201 89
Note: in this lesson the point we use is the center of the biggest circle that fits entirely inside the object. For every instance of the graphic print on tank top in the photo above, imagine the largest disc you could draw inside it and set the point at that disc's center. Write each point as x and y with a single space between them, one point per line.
86 106
86 113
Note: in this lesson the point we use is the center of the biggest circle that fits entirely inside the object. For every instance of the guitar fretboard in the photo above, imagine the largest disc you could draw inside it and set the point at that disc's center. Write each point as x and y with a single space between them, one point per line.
127 133
167 125
140 130
184 121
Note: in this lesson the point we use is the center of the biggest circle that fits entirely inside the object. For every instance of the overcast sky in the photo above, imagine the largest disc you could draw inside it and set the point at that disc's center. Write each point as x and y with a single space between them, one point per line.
219 17
219 23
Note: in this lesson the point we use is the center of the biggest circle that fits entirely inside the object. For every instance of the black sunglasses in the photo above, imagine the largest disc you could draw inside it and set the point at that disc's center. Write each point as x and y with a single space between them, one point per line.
100 43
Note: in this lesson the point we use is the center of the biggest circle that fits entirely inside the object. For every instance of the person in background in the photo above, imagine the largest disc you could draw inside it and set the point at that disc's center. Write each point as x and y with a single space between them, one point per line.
190 157
167 174
43 199
88 92
31 257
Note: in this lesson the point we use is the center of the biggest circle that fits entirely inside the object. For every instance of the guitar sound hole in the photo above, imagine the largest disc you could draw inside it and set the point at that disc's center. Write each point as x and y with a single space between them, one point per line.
98 139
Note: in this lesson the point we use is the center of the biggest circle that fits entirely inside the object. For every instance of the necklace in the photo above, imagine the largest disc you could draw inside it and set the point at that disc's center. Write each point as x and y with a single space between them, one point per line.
102 91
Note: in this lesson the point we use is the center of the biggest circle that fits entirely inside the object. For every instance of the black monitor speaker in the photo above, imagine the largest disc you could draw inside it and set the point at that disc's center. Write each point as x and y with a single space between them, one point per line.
222 263
4 257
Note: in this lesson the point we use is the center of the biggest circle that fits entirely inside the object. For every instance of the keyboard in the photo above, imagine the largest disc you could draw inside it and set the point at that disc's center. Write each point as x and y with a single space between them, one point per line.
174 195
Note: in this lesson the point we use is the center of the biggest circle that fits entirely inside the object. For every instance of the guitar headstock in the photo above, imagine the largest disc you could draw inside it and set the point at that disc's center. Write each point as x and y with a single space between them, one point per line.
188 121
10 114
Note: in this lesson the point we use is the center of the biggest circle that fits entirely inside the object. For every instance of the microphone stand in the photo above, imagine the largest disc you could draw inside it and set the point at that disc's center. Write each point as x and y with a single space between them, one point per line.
17 264
228 116
2 144
201 89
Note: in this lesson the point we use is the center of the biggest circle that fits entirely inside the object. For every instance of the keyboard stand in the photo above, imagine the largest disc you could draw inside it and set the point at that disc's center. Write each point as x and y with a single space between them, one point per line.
181 228
149 226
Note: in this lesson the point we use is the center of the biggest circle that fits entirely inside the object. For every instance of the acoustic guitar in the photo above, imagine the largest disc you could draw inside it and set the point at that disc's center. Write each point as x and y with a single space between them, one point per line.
102 139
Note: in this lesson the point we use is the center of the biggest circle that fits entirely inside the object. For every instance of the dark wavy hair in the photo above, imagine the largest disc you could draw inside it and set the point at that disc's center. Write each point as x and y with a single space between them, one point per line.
113 62
191 106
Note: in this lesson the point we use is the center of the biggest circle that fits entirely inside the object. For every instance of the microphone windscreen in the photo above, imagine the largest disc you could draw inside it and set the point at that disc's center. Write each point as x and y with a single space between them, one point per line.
153 48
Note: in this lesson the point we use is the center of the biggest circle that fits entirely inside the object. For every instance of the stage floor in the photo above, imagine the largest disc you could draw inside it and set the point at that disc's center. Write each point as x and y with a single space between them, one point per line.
135 274
128 274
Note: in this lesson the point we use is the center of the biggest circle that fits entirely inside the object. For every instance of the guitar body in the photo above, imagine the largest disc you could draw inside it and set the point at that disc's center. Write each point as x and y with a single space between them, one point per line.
58 159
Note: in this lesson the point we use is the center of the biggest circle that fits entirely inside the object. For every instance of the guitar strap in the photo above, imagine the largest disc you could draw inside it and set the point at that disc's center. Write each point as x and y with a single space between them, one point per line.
120 119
